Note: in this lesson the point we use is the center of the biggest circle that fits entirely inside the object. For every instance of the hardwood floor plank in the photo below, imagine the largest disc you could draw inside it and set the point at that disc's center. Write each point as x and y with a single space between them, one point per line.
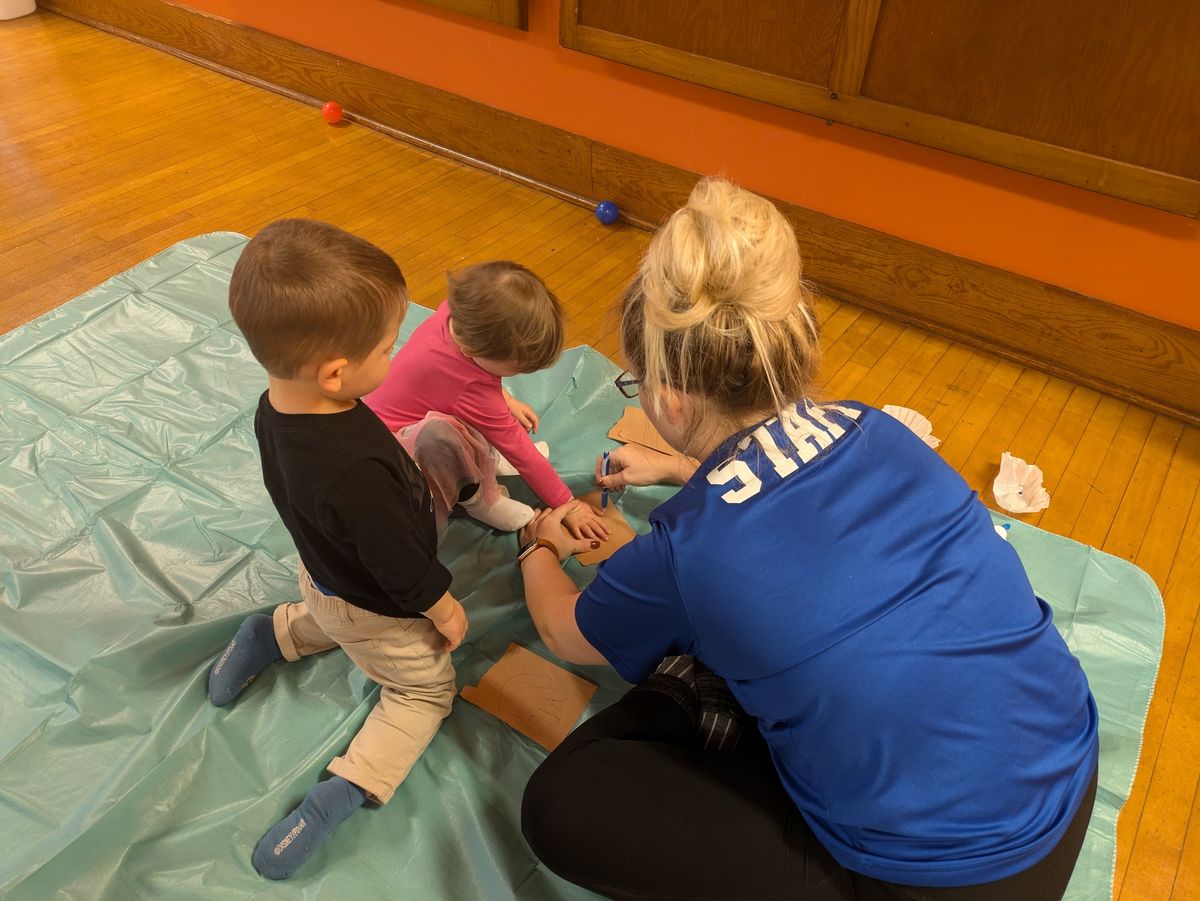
983 460
1112 479
905 355
1157 556
1074 477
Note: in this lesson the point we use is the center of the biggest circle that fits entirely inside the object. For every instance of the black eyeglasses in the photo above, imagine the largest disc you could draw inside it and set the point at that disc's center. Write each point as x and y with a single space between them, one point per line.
627 384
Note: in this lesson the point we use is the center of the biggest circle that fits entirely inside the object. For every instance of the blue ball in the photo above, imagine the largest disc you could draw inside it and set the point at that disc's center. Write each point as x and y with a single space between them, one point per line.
607 212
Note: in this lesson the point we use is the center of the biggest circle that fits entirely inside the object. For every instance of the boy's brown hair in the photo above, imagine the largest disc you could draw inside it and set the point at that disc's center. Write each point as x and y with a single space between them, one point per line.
502 311
305 290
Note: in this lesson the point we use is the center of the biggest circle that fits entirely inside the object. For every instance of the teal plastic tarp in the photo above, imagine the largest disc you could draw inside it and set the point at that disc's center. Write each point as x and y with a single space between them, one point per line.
135 535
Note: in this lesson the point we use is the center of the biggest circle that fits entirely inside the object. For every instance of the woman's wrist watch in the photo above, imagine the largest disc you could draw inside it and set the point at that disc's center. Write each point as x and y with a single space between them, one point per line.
534 545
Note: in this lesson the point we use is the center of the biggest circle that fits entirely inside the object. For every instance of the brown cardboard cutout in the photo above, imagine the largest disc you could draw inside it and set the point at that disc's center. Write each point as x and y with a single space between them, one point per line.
634 428
621 532
531 694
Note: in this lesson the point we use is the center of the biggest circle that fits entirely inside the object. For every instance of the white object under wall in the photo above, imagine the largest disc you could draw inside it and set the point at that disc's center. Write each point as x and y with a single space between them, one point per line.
11 9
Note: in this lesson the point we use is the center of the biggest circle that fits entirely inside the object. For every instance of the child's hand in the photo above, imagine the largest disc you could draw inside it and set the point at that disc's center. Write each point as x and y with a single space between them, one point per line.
449 618
584 521
548 524
522 412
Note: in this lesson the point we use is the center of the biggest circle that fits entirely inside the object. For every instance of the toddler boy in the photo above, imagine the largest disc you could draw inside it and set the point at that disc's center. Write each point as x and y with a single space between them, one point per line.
321 310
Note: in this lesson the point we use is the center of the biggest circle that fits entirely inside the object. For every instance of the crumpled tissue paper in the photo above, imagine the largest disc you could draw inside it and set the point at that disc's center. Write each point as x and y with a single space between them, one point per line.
1018 486
919 425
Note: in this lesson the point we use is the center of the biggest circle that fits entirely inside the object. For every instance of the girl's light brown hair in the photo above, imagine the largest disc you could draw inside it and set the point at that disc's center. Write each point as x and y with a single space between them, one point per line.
502 311
718 309
305 290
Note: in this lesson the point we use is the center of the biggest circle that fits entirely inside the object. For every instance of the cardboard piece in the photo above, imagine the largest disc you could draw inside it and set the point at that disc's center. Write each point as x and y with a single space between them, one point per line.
634 428
538 699
622 532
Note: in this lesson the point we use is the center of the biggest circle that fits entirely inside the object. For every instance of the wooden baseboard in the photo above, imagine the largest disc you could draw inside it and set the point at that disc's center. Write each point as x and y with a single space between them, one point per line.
1119 351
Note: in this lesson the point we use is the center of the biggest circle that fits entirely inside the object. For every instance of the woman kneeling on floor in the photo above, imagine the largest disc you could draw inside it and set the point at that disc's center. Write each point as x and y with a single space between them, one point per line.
846 687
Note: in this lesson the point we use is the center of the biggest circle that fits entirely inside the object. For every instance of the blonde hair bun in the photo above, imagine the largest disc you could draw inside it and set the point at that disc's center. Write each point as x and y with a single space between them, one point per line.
719 307
727 246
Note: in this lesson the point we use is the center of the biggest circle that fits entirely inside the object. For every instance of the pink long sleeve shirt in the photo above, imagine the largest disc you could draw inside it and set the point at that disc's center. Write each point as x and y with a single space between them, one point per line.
430 374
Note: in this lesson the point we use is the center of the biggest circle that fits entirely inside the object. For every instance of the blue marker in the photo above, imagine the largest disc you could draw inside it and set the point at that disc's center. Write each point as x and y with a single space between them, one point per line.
604 488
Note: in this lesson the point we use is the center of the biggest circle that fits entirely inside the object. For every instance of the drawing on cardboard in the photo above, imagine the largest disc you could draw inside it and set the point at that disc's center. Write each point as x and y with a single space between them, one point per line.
538 699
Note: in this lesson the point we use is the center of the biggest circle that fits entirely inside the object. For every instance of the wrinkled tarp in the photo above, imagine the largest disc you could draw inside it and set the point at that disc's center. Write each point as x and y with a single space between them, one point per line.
135 534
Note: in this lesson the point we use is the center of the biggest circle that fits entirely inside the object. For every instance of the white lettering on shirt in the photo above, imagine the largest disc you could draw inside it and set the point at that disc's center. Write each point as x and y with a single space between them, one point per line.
808 436
830 426
736 469
848 412
784 465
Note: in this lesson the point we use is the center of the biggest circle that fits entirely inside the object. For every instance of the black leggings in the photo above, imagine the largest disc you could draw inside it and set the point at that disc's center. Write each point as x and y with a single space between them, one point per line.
630 807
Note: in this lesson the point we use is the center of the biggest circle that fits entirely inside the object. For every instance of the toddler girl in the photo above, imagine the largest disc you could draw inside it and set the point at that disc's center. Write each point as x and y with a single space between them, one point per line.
444 401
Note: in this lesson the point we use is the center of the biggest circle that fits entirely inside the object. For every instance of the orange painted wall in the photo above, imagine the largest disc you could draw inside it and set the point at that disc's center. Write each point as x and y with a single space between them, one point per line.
1111 249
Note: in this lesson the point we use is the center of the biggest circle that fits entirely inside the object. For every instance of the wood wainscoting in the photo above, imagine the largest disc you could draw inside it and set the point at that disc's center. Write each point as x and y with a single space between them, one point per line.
1100 94
1113 349
513 13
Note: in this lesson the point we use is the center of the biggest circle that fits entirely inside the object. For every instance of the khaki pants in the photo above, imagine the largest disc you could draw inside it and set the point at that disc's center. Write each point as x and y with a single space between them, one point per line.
407 657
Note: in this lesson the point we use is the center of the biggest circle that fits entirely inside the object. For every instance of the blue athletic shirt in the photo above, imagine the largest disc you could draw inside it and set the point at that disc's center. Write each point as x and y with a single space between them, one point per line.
923 712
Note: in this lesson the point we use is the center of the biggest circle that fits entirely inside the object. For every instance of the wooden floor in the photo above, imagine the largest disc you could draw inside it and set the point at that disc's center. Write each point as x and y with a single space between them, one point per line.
110 152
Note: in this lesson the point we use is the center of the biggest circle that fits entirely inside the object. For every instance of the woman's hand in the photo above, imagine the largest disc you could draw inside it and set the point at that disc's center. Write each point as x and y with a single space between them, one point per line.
548 524
636 465
522 412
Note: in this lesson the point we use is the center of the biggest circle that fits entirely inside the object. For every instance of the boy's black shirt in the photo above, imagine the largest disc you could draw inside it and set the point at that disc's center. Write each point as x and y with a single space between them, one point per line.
356 505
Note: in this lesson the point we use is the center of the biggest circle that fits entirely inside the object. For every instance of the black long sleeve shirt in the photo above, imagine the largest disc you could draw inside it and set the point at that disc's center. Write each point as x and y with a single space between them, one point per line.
356 505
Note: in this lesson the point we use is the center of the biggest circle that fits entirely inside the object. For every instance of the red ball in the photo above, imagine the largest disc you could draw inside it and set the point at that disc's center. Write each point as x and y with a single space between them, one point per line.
332 111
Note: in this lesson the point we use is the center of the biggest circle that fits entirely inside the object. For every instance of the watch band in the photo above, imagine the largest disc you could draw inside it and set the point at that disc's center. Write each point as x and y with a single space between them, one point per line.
534 545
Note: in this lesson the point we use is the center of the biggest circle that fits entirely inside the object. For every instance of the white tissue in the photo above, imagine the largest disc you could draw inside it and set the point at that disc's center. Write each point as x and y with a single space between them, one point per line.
920 426
1018 486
